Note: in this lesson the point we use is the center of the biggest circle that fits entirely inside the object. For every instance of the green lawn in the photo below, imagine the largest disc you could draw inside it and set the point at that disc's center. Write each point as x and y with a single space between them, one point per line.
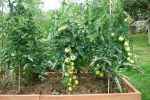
142 50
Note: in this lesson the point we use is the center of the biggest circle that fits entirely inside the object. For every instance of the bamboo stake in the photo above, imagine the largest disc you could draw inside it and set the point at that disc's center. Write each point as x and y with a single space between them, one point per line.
108 83
19 78
110 12
110 6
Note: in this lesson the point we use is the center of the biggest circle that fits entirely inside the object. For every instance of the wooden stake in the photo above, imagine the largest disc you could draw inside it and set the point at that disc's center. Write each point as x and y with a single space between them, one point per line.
110 6
118 85
19 78
110 12
108 83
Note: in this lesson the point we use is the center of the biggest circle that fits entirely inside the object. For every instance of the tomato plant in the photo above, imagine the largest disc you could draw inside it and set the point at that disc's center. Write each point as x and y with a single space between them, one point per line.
97 34
88 37
24 49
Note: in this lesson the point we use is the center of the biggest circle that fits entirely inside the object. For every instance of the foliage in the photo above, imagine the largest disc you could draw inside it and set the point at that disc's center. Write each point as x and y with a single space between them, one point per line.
88 37
97 36
138 9
24 50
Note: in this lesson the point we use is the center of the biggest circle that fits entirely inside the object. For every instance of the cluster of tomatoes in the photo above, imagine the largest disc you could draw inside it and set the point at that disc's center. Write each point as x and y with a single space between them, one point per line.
97 71
126 47
72 81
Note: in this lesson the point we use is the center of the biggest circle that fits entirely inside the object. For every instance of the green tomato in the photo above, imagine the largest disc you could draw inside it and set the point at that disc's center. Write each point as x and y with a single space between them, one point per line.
70 79
72 63
67 60
112 34
128 49
74 86
121 39
101 75
76 82
70 89
96 69
72 68
74 77
73 57
97 73
126 43
129 54
66 74
69 84
68 49
132 61
71 72
97 65
129 59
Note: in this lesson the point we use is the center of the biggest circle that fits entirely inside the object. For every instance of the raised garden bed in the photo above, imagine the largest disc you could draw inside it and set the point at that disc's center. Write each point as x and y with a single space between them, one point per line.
86 91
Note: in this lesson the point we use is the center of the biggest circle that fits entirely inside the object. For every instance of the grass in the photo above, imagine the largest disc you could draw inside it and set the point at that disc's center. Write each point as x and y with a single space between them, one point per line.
142 50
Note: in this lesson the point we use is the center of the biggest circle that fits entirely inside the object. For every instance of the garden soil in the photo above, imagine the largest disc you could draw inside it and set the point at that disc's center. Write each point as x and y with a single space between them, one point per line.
88 84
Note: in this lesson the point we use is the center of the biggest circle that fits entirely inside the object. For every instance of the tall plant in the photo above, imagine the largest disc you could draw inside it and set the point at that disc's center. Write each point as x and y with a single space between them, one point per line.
96 33
24 51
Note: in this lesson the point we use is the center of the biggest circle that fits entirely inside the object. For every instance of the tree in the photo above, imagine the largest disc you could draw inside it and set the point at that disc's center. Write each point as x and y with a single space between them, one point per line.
139 10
